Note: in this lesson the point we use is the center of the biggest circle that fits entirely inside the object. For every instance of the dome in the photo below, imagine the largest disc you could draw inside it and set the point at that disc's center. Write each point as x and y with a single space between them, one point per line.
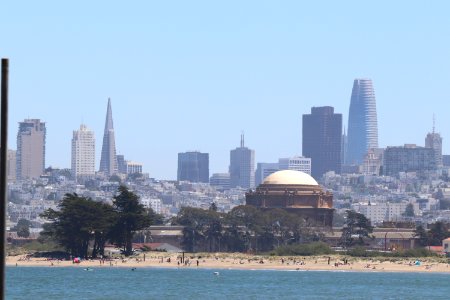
290 177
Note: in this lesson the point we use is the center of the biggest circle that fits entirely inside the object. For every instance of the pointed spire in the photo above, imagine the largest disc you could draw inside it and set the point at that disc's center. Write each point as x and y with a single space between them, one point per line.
108 161
109 121
242 139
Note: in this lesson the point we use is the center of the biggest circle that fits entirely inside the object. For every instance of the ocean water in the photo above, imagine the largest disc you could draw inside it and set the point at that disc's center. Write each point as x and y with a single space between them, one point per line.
157 283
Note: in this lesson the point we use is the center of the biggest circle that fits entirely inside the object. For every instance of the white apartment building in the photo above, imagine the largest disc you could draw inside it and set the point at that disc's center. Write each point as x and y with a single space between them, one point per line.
83 152
379 212
152 203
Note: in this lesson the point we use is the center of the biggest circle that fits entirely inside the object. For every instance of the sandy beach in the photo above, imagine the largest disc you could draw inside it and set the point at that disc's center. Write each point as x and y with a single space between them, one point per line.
247 262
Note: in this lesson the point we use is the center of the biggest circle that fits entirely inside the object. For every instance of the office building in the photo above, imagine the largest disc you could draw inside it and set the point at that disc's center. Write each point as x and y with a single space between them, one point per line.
121 165
434 141
11 165
362 132
242 167
446 160
221 181
108 161
296 163
322 140
409 158
83 152
30 155
373 162
263 170
193 166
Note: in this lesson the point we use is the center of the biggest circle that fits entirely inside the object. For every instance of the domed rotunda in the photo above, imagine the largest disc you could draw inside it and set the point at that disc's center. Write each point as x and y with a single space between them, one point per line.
296 192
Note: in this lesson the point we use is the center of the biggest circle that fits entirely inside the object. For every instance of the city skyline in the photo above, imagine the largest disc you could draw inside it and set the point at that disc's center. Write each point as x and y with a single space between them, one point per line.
183 85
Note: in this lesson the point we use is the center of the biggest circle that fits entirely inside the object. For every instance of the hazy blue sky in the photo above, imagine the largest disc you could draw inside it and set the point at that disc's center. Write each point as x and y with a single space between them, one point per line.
191 75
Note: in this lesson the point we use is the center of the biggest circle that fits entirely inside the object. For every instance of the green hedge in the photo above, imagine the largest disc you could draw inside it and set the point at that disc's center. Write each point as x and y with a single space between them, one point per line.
316 248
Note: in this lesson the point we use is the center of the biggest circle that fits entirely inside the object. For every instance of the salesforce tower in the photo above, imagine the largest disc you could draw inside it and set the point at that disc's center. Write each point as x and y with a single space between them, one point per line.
362 122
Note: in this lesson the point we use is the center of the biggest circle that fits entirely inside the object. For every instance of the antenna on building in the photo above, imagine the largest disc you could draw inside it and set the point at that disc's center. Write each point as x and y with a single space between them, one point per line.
434 122
242 139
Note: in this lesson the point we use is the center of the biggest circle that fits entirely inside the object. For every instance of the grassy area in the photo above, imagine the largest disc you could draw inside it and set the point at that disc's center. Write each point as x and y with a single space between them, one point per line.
319 248
316 248
32 247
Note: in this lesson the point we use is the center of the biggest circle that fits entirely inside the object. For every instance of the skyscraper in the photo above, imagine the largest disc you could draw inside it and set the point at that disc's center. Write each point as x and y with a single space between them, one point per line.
322 135
83 152
193 166
362 132
108 161
30 156
242 167
434 140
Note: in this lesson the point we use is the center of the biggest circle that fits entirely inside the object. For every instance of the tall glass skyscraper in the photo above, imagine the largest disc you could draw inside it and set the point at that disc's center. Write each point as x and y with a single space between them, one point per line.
362 122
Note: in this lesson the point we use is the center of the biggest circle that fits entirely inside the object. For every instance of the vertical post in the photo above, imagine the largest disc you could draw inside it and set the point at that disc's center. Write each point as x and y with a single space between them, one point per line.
3 167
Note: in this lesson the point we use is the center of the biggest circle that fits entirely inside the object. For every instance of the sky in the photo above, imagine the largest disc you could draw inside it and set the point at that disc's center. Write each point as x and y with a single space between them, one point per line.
193 75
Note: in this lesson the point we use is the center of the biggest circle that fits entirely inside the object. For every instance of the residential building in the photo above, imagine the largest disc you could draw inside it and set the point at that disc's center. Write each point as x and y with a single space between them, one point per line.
193 166
30 155
242 167
108 161
362 122
133 167
322 140
83 152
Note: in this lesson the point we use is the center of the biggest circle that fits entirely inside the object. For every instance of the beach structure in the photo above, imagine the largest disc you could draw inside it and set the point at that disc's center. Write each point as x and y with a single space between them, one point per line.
446 246
295 192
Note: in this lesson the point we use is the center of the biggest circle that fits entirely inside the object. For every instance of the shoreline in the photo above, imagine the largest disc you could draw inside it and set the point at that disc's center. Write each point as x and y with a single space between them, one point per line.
225 261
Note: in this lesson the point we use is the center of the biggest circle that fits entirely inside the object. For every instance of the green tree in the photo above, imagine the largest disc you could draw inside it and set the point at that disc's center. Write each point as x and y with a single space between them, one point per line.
409 210
422 235
131 217
77 222
438 232
23 228
357 227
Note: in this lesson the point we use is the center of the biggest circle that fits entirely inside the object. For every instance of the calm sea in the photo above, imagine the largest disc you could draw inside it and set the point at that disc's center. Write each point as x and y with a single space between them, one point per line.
152 283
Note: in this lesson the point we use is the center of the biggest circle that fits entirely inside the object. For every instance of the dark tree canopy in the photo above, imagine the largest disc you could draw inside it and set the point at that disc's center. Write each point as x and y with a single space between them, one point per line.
77 222
131 217
357 228
244 228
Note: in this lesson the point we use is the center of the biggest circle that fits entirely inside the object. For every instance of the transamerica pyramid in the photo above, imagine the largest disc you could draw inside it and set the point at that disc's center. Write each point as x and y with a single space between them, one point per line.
108 161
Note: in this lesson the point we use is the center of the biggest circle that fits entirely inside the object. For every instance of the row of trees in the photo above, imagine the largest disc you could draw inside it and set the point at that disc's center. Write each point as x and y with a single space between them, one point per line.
434 236
243 229
81 223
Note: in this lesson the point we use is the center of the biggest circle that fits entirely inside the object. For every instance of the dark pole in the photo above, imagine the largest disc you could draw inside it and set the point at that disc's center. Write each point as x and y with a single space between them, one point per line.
3 166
